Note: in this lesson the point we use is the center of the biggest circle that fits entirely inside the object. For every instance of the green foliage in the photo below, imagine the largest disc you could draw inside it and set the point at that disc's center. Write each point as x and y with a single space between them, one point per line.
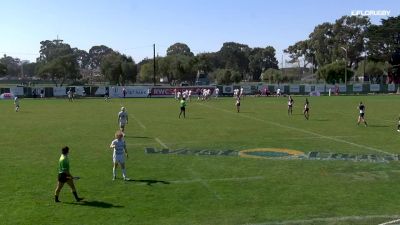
118 69
57 61
3 69
146 72
12 65
96 54
372 68
179 49
227 76
272 75
334 72
261 59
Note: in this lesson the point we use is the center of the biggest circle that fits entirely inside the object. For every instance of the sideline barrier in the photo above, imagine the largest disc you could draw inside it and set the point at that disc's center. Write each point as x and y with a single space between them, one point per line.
225 90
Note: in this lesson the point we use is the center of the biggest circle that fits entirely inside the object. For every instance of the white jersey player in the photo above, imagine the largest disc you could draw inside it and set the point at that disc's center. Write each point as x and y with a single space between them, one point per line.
122 119
16 103
119 149
216 92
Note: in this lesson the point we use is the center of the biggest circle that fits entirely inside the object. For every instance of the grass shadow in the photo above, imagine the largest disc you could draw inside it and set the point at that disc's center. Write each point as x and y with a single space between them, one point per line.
98 204
377 125
138 137
150 182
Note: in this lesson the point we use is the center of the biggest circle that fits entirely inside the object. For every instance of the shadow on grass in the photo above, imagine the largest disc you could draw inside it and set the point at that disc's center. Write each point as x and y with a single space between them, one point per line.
322 120
376 125
141 137
98 204
150 182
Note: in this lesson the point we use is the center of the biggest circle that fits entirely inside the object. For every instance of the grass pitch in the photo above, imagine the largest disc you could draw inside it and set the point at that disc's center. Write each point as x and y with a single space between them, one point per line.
193 189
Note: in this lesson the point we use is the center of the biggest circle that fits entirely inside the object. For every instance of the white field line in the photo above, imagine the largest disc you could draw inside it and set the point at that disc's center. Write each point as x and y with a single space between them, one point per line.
390 222
138 122
302 130
325 220
160 142
205 184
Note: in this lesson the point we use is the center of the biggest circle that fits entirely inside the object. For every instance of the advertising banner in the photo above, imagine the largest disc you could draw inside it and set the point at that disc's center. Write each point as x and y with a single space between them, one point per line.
391 87
294 88
59 91
320 88
357 88
16 91
374 87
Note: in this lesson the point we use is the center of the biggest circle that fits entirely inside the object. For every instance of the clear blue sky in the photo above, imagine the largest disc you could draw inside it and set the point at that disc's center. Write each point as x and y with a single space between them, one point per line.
131 27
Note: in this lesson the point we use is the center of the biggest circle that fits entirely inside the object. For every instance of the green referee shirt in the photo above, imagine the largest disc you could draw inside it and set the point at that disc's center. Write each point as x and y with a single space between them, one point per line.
183 103
63 164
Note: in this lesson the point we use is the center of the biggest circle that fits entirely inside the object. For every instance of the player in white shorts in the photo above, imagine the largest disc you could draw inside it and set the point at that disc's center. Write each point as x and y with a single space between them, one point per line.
216 91
122 119
16 103
119 151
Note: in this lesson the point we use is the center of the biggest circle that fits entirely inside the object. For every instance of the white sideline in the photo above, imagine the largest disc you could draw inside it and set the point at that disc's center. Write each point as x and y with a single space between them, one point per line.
205 184
161 143
301 130
390 222
138 121
329 219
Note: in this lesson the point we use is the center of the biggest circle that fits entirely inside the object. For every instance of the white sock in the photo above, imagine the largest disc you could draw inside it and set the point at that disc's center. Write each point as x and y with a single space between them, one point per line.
114 173
124 173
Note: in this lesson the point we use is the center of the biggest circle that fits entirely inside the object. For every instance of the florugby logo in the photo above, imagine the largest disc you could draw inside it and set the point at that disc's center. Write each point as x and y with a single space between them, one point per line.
370 12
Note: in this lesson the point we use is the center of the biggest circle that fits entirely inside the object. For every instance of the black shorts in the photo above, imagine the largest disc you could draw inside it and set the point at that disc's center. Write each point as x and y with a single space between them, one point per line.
362 115
182 108
237 104
306 109
62 177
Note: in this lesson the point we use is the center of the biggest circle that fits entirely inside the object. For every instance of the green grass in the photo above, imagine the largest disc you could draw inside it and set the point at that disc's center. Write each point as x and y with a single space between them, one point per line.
190 189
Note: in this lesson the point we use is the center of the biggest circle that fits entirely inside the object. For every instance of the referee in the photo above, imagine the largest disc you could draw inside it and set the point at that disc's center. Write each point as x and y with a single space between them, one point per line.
64 176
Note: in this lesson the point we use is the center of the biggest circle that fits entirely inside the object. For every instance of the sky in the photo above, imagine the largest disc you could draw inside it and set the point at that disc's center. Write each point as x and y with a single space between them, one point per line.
132 27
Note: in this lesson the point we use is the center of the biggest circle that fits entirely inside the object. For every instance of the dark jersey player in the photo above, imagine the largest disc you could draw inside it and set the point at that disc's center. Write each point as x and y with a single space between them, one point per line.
361 117
306 111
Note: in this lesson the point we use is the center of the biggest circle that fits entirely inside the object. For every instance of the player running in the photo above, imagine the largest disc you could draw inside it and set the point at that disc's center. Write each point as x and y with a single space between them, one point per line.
122 119
16 103
183 108
119 148
290 105
306 109
361 117
64 176
237 104
398 125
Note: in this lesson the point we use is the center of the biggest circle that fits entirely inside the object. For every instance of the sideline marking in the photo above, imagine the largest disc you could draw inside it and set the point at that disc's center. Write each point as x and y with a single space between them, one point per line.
329 219
138 121
301 130
160 142
390 222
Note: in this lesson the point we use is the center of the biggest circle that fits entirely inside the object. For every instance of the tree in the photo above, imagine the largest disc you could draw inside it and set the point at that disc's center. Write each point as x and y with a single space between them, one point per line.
96 54
372 69
13 65
383 40
57 61
29 69
179 49
3 69
261 59
146 72
272 75
235 56
334 72
118 69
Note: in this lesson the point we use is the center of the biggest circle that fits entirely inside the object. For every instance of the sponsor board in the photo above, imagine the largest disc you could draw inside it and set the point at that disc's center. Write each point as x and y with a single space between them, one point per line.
391 87
130 91
307 88
320 88
357 87
7 96
170 91
59 91
342 88
17 91
294 88
374 87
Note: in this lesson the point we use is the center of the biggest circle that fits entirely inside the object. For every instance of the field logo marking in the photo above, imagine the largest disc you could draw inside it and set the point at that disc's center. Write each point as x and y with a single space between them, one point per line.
257 153
301 130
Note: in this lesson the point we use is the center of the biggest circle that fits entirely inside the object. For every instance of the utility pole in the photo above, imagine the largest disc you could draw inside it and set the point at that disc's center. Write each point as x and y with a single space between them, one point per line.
154 64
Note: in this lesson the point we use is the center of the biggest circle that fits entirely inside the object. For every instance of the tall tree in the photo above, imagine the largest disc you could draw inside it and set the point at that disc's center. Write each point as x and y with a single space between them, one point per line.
261 59
3 69
235 56
96 54
57 62
13 65
118 69
179 49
